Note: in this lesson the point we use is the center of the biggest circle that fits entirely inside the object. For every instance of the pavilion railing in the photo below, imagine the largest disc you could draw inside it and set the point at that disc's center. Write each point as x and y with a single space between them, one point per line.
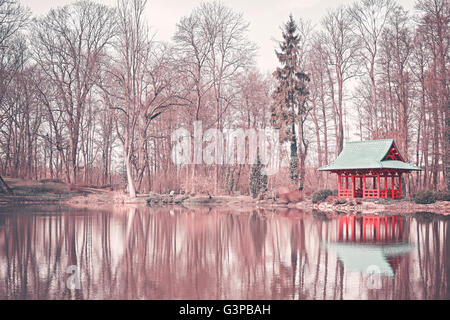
345 193
371 193
397 194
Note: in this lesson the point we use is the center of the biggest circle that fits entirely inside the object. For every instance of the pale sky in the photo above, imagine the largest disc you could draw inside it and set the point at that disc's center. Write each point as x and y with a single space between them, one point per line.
265 17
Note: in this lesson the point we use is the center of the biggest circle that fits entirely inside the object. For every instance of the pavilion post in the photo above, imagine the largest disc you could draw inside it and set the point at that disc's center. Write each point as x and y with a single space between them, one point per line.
400 184
339 184
378 185
385 187
364 185
353 186
361 185
393 187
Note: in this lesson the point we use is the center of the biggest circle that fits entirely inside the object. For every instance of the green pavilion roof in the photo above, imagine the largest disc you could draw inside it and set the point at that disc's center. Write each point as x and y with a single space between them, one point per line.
369 154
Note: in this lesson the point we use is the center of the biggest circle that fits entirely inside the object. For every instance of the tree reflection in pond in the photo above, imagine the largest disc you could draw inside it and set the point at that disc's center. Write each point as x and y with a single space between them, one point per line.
204 253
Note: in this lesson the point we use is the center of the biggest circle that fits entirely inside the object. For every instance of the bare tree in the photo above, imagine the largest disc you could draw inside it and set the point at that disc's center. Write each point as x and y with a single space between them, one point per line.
342 47
13 17
369 18
397 47
68 44
434 27
192 50
143 87
230 52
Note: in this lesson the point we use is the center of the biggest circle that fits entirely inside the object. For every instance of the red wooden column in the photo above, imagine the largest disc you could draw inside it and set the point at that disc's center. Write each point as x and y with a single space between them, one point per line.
364 185
346 186
339 184
361 185
378 184
353 186
393 187
400 184
385 187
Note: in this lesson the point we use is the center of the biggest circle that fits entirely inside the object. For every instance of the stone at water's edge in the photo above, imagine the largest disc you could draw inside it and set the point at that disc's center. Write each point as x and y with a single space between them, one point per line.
180 198
206 199
292 197
154 198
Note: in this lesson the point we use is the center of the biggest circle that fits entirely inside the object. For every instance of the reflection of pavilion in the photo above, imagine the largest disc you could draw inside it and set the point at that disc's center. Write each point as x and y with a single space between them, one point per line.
370 241
370 228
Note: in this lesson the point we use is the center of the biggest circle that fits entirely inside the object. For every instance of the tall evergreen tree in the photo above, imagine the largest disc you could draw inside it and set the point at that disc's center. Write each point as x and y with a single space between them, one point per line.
229 181
258 179
290 96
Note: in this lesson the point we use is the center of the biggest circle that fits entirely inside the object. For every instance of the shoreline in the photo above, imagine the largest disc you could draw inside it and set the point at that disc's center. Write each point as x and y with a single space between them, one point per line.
28 193
440 208
365 207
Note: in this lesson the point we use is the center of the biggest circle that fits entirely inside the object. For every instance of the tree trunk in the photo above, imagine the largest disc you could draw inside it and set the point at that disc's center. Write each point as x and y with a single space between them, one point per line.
130 181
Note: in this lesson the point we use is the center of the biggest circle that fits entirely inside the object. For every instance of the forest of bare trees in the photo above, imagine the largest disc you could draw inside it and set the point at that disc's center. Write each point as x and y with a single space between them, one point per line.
87 96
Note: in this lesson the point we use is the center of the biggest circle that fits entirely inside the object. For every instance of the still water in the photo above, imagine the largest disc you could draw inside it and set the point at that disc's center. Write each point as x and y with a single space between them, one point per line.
218 253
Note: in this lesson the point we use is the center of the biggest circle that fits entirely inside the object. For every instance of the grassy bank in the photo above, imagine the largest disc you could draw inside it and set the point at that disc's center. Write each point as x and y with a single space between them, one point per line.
51 192
47 191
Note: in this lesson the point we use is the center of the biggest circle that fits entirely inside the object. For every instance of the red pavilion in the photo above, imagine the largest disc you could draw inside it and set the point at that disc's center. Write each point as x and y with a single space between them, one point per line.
370 169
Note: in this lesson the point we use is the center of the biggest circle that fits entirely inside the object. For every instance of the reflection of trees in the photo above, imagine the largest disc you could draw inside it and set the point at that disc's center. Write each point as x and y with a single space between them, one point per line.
447 258
433 259
135 253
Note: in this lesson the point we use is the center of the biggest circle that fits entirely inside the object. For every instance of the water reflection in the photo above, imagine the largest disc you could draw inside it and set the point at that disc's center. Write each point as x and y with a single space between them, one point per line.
143 253
371 243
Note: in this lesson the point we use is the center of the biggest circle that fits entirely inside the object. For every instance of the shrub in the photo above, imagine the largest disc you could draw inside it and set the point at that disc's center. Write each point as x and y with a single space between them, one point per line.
425 197
442 196
321 195
340 201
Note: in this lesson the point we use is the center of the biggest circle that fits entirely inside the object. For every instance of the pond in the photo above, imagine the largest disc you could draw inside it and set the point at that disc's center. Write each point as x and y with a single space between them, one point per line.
220 253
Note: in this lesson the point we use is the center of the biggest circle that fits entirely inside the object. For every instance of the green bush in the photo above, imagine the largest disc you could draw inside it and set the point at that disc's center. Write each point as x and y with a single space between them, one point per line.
425 197
321 195
442 196
340 201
